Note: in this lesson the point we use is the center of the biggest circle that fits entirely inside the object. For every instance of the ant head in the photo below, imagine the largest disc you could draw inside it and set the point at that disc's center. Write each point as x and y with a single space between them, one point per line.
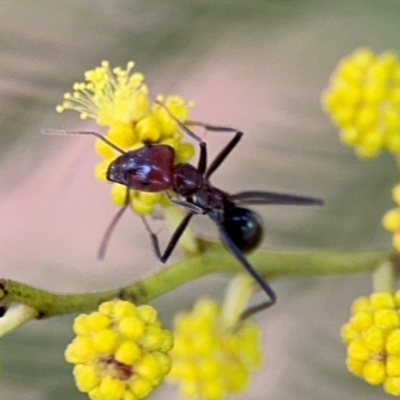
148 169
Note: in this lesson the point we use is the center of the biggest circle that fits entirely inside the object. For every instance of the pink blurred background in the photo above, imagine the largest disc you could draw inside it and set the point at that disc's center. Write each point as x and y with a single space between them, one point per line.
258 65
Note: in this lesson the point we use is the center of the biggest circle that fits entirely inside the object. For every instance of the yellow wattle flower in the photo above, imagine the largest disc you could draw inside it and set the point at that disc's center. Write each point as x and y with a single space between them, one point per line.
120 352
119 100
214 350
363 100
391 220
372 338
109 97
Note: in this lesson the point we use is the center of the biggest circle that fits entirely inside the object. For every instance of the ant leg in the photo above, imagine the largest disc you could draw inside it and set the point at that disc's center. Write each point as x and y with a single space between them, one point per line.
227 241
110 228
219 159
189 206
263 197
180 124
254 310
163 257
202 163
185 204
98 135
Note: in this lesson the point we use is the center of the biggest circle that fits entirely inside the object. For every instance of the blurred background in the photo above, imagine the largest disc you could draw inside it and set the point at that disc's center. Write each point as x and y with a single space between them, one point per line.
257 65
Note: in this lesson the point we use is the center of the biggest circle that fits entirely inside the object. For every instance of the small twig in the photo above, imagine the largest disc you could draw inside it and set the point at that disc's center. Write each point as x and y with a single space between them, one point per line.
213 259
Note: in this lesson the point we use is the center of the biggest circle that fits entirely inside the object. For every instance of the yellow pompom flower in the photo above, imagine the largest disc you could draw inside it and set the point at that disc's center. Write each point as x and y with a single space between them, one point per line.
363 100
372 337
120 352
214 351
119 100
391 220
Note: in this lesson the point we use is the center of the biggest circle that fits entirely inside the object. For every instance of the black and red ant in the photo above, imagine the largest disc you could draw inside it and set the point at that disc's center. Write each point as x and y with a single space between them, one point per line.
152 169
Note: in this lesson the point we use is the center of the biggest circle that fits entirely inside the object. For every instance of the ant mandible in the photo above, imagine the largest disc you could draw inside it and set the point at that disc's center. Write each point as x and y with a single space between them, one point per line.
151 169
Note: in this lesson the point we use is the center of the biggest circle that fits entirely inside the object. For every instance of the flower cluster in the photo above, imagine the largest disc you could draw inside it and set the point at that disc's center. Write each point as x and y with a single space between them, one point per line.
210 358
391 220
119 100
363 99
120 351
372 337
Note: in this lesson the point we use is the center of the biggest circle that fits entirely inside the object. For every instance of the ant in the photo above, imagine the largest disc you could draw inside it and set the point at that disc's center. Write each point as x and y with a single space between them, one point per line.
151 168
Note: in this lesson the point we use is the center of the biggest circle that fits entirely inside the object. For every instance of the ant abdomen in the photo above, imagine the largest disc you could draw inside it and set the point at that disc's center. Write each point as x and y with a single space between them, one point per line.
244 227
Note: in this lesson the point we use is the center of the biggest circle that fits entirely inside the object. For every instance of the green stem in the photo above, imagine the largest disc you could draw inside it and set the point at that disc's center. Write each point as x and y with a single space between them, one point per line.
383 278
213 259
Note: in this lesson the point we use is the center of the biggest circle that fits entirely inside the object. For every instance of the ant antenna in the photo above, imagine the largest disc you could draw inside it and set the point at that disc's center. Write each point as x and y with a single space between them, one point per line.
180 124
110 229
98 135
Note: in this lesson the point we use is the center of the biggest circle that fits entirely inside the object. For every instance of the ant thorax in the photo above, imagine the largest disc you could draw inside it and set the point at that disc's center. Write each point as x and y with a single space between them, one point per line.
211 200
187 180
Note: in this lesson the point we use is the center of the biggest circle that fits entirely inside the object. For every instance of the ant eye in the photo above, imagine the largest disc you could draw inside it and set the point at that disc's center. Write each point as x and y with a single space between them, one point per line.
146 182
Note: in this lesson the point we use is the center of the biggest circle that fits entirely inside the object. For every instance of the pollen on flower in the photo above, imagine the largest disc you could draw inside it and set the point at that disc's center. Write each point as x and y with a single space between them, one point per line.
120 351
363 100
372 338
211 360
391 220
